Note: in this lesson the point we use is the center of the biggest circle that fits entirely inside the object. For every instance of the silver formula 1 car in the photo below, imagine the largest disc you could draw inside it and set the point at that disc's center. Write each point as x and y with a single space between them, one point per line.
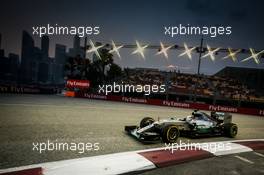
197 124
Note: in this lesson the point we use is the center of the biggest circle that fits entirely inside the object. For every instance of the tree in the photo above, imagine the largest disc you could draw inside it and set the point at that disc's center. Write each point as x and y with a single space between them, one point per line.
114 73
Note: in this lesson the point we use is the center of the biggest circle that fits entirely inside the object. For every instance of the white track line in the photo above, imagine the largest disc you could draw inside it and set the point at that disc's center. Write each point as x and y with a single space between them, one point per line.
261 155
234 172
244 159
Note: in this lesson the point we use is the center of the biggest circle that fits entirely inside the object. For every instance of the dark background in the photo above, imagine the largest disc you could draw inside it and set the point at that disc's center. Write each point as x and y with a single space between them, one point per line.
127 21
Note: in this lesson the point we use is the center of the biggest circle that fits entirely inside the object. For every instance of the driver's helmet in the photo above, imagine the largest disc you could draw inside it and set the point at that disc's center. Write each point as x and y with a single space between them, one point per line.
197 115
194 113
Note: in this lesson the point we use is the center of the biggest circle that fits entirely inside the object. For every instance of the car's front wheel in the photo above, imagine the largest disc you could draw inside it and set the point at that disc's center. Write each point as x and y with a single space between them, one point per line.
170 134
146 121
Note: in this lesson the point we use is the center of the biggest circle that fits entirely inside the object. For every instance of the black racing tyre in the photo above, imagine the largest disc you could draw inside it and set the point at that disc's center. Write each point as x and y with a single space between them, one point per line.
170 134
146 121
230 130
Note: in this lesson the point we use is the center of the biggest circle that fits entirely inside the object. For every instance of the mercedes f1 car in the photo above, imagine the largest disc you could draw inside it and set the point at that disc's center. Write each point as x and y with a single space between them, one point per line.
197 124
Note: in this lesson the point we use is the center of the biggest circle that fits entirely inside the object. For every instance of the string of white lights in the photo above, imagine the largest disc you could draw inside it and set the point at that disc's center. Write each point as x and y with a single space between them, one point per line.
188 51
163 49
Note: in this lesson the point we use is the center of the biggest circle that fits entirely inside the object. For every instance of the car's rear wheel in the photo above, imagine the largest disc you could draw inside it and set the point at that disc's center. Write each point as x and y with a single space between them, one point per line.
170 134
146 121
230 130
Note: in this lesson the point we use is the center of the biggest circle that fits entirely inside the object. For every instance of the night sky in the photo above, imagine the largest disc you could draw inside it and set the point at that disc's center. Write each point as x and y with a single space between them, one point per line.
127 21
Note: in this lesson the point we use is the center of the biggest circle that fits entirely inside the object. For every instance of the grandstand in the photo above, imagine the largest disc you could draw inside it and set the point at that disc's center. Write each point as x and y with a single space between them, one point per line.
251 77
239 87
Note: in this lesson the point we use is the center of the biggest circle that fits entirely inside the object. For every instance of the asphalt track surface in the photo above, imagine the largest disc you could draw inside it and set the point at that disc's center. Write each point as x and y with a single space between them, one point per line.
28 119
